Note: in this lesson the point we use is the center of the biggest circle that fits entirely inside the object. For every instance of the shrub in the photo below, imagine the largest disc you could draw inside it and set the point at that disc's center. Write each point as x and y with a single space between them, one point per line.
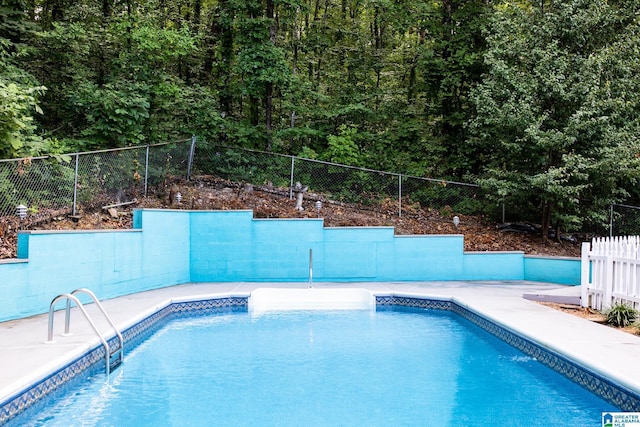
621 315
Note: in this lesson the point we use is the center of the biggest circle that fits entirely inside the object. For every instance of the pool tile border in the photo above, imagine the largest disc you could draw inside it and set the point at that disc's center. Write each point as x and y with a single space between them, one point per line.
93 361
617 395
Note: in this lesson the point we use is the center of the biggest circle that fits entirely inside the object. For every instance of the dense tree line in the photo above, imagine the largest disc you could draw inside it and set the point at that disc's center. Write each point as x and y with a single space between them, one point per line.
537 100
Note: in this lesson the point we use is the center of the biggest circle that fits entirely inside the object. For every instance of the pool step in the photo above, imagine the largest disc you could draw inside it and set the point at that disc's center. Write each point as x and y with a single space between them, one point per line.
284 299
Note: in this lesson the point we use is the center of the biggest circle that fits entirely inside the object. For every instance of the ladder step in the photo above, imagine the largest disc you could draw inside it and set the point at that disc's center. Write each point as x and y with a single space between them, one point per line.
114 365
116 350
115 360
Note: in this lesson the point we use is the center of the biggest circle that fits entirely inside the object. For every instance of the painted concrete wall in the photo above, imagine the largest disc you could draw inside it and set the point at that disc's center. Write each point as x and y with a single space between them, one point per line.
168 247
231 246
493 266
561 270
109 262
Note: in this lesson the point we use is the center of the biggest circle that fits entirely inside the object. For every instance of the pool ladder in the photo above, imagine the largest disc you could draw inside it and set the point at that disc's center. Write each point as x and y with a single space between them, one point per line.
113 357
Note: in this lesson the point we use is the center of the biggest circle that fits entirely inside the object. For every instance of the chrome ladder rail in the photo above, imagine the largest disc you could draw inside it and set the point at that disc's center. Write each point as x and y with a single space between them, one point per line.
112 359
117 354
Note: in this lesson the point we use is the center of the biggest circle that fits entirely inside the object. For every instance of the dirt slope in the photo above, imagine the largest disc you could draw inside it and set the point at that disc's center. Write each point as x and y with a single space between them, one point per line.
270 202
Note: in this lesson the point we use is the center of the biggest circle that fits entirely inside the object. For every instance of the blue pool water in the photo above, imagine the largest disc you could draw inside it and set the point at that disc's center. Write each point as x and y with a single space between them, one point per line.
348 368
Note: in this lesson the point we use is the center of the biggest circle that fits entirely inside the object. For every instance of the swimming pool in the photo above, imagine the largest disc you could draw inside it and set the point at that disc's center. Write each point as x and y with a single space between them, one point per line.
570 346
394 366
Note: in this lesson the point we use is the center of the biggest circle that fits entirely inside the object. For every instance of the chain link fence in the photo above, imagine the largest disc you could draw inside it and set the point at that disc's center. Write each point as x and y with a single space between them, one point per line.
37 183
46 186
624 220
336 183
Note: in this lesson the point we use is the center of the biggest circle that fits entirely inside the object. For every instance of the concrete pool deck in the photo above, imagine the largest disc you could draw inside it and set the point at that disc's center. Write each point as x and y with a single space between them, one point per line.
25 358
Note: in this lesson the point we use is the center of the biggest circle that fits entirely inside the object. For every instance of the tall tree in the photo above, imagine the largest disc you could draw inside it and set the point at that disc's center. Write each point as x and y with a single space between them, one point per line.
19 90
552 118
219 54
260 63
451 64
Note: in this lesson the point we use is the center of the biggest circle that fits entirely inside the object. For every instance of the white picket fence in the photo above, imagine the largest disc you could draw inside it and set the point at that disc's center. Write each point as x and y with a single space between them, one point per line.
611 272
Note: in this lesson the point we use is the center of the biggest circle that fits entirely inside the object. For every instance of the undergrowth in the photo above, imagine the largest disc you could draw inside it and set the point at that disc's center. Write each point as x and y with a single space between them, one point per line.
621 315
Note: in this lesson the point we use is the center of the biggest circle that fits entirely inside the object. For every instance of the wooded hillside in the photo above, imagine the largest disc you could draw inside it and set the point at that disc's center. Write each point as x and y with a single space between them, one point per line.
537 101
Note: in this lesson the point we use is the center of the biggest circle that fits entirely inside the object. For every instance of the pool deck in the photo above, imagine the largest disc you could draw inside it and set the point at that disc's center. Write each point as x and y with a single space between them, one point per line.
25 358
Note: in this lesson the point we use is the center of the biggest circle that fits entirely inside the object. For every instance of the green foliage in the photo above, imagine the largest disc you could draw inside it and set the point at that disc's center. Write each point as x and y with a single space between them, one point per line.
538 100
19 99
153 45
14 26
261 64
17 131
551 124
342 148
116 114
621 315
308 153
244 166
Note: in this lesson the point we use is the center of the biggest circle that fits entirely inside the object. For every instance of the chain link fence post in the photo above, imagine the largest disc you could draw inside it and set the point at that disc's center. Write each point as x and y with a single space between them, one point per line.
146 170
191 152
611 220
293 160
75 187
399 195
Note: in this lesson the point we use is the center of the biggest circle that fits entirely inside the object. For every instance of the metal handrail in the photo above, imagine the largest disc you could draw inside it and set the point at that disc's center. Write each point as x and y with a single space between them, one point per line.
71 297
107 352
99 305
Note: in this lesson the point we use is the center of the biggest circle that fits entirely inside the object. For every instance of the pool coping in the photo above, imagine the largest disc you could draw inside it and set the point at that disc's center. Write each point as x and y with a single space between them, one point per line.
86 359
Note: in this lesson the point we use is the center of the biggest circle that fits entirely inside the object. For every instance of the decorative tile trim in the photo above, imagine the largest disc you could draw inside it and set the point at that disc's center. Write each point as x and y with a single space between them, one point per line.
211 304
387 300
93 361
617 395
67 376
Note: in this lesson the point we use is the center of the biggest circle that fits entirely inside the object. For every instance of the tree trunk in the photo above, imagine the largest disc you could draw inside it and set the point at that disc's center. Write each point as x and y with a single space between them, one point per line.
294 69
106 10
316 10
268 104
221 31
102 73
197 11
57 10
268 110
254 111
546 220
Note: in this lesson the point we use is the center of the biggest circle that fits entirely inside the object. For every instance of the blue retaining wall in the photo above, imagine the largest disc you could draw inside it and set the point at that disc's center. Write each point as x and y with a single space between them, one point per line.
109 262
494 266
168 247
561 270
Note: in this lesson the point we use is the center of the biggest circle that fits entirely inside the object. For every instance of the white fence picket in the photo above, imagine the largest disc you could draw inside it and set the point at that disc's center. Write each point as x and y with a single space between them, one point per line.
611 272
